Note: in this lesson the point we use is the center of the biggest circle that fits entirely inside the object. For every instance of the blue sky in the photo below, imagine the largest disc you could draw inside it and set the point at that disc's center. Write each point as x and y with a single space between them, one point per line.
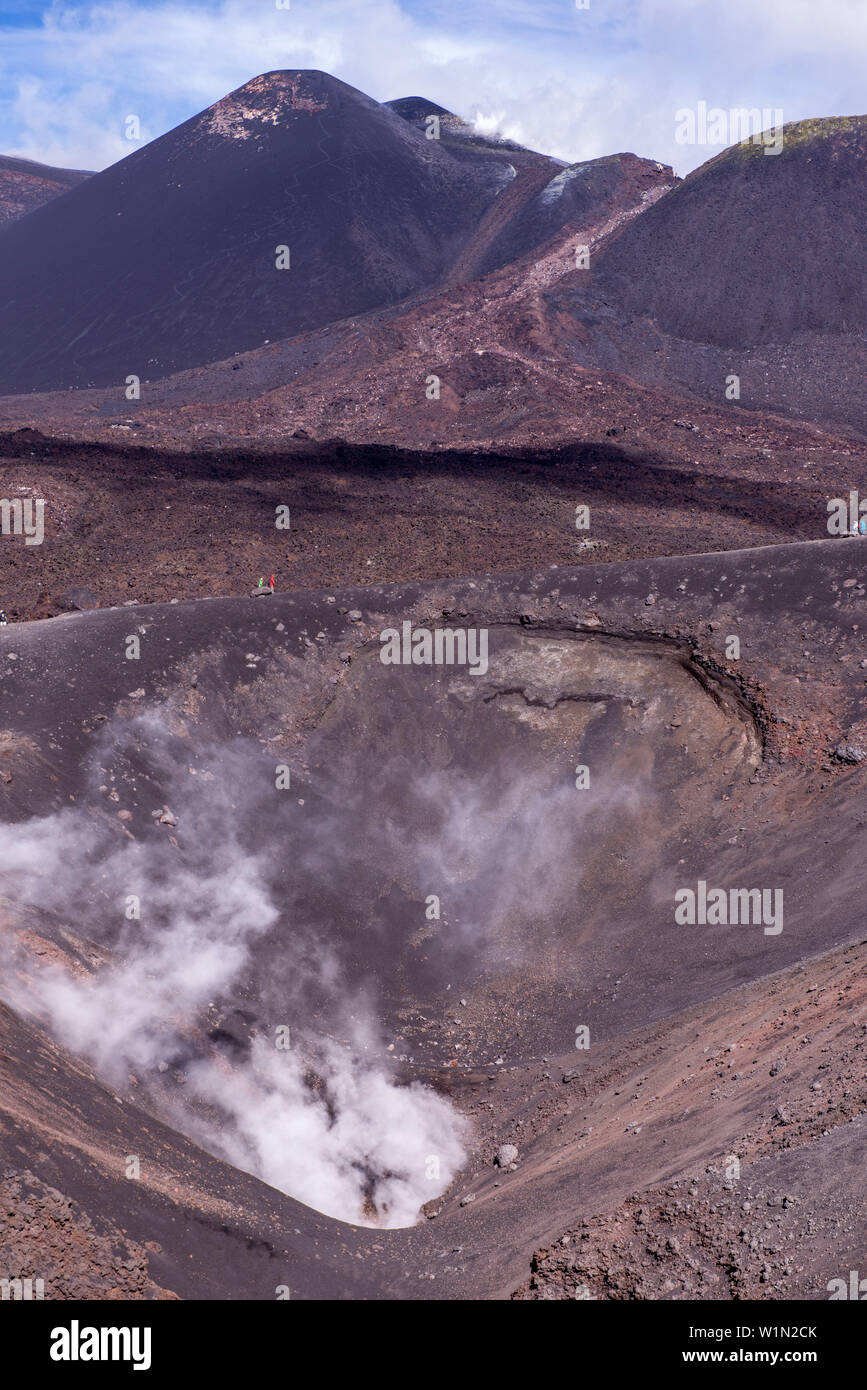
576 83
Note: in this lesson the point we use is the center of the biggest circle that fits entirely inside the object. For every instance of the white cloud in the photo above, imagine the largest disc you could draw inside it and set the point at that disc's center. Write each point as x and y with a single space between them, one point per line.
576 83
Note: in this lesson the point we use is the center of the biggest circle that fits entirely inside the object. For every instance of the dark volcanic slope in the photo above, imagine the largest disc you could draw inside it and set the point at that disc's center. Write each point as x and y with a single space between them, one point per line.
170 255
505 377
754 266
755 247
545 197
25 186
571 198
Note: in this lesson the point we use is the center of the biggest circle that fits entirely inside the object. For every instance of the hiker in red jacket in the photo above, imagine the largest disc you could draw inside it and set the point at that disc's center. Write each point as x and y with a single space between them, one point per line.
271 581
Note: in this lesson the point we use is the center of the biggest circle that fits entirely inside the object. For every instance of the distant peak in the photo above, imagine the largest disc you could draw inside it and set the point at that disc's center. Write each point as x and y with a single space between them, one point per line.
836 133
417 108
272 98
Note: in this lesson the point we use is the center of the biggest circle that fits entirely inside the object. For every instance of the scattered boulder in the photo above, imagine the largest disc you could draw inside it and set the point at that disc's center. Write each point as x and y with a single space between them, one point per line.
78 600
850 753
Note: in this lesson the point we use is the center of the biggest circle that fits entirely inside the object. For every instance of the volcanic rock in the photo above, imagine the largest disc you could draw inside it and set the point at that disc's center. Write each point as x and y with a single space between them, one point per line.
25 186
171 255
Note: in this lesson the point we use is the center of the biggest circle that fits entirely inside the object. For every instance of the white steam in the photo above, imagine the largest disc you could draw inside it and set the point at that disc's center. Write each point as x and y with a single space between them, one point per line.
325 1123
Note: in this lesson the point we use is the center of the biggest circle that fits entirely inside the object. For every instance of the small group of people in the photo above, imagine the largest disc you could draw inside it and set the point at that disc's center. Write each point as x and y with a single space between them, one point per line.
859 527
271 582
